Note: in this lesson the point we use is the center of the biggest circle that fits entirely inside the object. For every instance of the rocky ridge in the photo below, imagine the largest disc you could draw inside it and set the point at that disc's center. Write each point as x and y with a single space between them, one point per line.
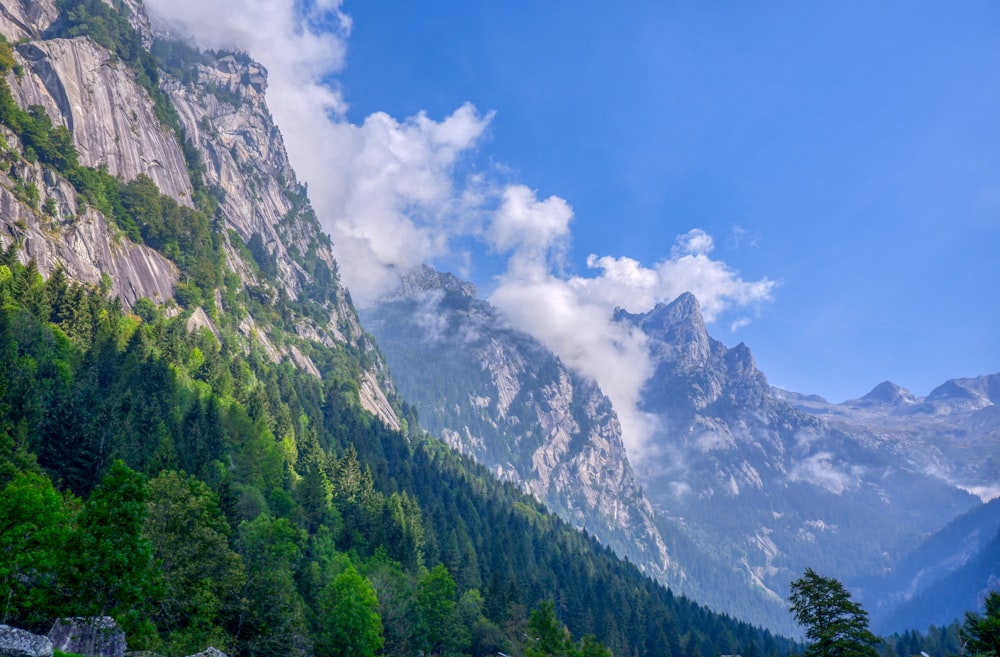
498 395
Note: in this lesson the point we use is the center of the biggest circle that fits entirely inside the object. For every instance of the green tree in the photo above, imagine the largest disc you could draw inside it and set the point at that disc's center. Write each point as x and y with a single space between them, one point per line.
983 632
272 619
110 563
836 625
33 531
202 576
436 610
547 636
351 624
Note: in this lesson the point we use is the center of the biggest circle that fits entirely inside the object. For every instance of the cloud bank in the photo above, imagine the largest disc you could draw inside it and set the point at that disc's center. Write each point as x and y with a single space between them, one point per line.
389 194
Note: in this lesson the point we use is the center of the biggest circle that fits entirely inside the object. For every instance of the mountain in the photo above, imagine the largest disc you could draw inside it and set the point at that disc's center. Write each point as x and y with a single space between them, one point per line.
198 437
746 489
214 141
767 486
497 394
951 434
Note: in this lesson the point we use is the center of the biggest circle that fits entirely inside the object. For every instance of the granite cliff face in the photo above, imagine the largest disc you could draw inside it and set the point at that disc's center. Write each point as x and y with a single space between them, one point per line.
111 116
263 214
497 394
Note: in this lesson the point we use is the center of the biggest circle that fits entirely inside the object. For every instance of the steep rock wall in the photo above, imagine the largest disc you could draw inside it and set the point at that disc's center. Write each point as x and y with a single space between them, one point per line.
79 240
26 19
225 115
111 116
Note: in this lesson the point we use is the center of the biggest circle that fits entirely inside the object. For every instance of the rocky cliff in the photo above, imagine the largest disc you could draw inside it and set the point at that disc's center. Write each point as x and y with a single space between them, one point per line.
202 133
497 394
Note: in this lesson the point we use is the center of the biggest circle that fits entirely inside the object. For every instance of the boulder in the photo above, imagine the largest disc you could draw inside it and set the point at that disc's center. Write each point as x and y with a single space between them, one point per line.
96 636
15 642
209 652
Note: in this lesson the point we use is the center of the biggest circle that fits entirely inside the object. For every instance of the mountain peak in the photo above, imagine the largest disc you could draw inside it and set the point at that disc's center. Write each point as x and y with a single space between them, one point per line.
888 392
427 279
682 311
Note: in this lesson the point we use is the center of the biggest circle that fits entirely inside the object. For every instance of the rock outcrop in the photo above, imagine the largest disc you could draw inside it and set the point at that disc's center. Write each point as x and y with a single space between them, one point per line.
78 239
96 636
209 652
26 19
15 642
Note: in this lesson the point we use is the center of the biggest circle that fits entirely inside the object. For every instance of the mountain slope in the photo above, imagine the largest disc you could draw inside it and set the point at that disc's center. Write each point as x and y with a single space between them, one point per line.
207 143
947 574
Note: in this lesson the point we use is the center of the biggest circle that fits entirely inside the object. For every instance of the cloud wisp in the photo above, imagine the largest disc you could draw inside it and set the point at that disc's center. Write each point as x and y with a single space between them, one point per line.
389 194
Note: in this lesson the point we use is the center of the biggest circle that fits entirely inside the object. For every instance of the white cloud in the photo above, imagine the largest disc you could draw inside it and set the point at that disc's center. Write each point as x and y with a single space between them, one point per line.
525 223
387 194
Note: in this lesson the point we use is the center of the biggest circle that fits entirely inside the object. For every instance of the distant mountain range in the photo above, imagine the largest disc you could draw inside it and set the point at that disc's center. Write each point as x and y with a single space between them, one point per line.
743 484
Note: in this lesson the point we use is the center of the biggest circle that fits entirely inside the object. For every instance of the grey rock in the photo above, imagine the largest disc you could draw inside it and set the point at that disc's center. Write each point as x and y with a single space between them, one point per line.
80 241
209 652
15 642
111 116
888 392
95 636
26 19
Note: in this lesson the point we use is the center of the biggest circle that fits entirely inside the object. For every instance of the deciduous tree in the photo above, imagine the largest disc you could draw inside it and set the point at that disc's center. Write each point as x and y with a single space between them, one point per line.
836 625
983 632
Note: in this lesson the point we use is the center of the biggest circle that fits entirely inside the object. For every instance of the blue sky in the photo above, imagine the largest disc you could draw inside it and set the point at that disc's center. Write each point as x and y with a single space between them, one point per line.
850 151
824 176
